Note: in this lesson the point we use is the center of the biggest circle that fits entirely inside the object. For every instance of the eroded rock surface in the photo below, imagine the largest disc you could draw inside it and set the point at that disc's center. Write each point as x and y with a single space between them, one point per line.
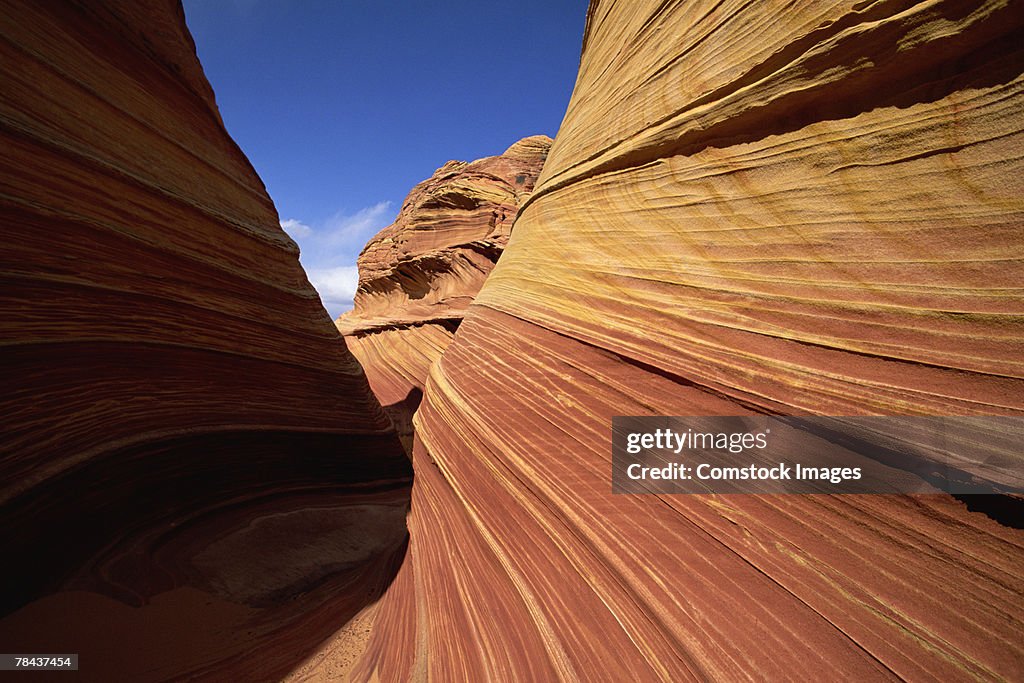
418 276
750 207
175 399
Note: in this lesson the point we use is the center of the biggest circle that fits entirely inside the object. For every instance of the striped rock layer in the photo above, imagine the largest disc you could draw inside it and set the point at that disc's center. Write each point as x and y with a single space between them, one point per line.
418 276
793 208
193 469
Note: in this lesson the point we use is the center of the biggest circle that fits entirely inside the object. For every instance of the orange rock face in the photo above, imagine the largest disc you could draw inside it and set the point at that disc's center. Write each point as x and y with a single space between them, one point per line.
418 276
750 207
176 402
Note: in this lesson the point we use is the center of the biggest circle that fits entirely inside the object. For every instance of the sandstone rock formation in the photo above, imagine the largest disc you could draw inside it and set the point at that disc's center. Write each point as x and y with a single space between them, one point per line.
418 276
188 453
749 207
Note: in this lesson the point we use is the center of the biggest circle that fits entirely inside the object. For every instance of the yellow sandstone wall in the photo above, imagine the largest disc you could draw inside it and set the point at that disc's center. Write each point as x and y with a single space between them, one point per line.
750 207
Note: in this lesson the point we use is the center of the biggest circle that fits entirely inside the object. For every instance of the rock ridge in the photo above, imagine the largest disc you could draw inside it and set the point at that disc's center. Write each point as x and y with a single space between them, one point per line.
418 276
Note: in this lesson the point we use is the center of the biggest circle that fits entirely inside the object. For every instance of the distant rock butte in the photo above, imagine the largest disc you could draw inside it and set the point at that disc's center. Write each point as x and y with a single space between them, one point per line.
188 453
418 276
803 208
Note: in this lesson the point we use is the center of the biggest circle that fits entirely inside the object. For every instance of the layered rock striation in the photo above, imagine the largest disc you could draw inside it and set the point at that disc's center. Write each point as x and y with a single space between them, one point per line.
813 208
418 276
188 453
749 208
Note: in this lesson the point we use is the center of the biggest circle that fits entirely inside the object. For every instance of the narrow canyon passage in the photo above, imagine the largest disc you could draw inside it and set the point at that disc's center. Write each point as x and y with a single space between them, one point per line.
749 209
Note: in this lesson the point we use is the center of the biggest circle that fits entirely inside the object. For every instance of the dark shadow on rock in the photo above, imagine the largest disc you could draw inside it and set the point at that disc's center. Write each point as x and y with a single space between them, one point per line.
236 553
1008 510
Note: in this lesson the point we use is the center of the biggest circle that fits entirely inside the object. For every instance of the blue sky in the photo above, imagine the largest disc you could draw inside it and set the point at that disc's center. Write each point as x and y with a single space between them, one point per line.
343 106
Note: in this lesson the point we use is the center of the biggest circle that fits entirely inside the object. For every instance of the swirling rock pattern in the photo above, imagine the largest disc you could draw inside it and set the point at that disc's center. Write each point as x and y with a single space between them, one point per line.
749 207
418 275
175 401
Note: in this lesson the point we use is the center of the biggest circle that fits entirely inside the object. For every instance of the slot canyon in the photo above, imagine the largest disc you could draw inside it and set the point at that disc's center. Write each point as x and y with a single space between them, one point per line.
749 209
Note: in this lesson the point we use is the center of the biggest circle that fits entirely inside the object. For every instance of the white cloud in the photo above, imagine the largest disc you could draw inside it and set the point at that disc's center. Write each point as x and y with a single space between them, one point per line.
296 229
336 285
342 228
329 251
